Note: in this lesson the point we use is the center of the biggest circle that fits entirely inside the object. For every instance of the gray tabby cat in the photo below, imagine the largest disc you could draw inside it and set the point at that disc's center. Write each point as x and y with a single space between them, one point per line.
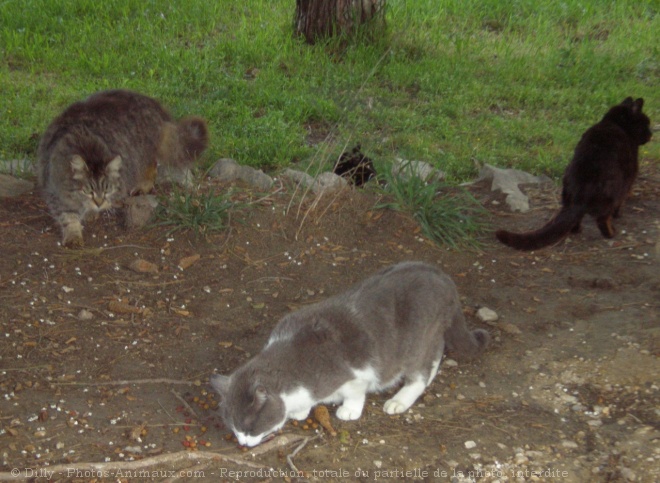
391 328
101 150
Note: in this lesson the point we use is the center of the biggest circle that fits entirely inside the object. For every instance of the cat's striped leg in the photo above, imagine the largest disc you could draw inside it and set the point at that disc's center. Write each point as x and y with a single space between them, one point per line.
71 229
406 396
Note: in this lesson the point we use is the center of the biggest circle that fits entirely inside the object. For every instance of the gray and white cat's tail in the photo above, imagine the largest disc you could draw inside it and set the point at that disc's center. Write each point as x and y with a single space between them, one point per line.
464 343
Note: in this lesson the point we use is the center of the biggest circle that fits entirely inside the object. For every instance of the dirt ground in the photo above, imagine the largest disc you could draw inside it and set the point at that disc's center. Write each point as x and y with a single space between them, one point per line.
104 364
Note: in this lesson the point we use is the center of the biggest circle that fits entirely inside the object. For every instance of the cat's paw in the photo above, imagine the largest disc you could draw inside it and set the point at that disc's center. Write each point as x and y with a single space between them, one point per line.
348 414
392 406
73 241
300 415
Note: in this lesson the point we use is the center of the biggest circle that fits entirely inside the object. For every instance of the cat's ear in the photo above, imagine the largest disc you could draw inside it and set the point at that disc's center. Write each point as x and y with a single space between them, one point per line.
627 102
113 167
78 167
637 106
260 395
220 384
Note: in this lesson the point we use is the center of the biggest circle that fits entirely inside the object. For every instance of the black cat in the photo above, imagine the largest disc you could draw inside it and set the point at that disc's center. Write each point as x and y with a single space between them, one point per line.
355 167
597 180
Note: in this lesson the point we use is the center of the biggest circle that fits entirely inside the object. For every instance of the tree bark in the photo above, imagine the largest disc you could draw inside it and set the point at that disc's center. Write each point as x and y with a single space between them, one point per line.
322 19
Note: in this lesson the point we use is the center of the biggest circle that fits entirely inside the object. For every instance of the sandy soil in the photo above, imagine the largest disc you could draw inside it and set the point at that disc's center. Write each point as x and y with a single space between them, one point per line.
104 366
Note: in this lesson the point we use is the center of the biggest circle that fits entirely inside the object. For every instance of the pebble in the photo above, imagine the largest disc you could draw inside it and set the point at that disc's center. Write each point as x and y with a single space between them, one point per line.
85 314
470 444
450 363
487 315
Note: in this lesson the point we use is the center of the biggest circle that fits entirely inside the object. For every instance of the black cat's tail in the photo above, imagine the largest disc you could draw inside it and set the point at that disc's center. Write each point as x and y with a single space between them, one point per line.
552 232
464 343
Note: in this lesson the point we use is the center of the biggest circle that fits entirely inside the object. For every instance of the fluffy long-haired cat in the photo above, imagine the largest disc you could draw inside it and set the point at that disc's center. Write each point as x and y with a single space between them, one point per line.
107 147
597 180
392 328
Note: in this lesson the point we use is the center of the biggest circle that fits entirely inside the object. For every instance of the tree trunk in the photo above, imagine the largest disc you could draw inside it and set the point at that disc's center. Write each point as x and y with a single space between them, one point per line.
322 19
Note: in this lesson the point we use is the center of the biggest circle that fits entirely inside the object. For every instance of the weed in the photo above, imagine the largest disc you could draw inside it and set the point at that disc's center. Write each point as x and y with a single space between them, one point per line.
446 215
199 212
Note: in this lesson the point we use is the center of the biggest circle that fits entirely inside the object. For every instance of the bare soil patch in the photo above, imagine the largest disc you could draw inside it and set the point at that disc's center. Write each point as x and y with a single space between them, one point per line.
104 369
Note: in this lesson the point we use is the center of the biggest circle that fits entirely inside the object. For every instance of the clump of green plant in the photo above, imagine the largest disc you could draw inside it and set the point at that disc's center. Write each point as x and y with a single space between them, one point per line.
447 215
199 212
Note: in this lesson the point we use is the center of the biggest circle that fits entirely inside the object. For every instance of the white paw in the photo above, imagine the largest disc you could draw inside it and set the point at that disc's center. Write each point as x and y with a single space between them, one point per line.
348 414
392 406
300 415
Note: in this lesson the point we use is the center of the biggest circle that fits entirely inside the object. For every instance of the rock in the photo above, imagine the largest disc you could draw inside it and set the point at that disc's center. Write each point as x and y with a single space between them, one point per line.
85 314
138 210
507 181
403 168
228 170
298 176
329 182
470 444
487 315
11 186
225 169
450 363
172 174
322 183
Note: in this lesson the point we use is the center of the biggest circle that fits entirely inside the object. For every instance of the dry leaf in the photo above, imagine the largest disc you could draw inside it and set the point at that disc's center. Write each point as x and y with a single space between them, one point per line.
143 266
509 328
123 308
186 262
322 415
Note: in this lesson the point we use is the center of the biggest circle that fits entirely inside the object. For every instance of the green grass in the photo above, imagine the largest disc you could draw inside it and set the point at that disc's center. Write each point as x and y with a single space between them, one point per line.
201 213
451 82
447 216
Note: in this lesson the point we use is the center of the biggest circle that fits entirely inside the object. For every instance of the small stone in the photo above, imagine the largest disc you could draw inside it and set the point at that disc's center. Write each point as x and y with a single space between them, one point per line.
569 444
85 314
487 315
138 210
470 444
450 363
378 463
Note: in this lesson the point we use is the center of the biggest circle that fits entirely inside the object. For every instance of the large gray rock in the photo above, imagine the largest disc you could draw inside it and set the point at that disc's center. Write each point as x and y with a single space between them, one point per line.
228 170
507 181
11 186
324 182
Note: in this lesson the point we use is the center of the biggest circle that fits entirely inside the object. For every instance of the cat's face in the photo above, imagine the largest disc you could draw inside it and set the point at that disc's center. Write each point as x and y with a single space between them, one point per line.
96 192
248 408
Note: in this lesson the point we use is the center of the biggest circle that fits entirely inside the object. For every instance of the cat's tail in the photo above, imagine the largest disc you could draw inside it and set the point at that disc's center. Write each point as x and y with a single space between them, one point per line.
554 231
465 343
193 136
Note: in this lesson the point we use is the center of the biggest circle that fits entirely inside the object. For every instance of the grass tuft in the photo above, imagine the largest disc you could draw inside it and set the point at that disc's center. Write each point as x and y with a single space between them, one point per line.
447 215
201 213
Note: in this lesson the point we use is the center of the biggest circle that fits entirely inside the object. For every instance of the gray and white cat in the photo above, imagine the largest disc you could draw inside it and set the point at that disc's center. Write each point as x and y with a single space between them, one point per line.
107 147
391 328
